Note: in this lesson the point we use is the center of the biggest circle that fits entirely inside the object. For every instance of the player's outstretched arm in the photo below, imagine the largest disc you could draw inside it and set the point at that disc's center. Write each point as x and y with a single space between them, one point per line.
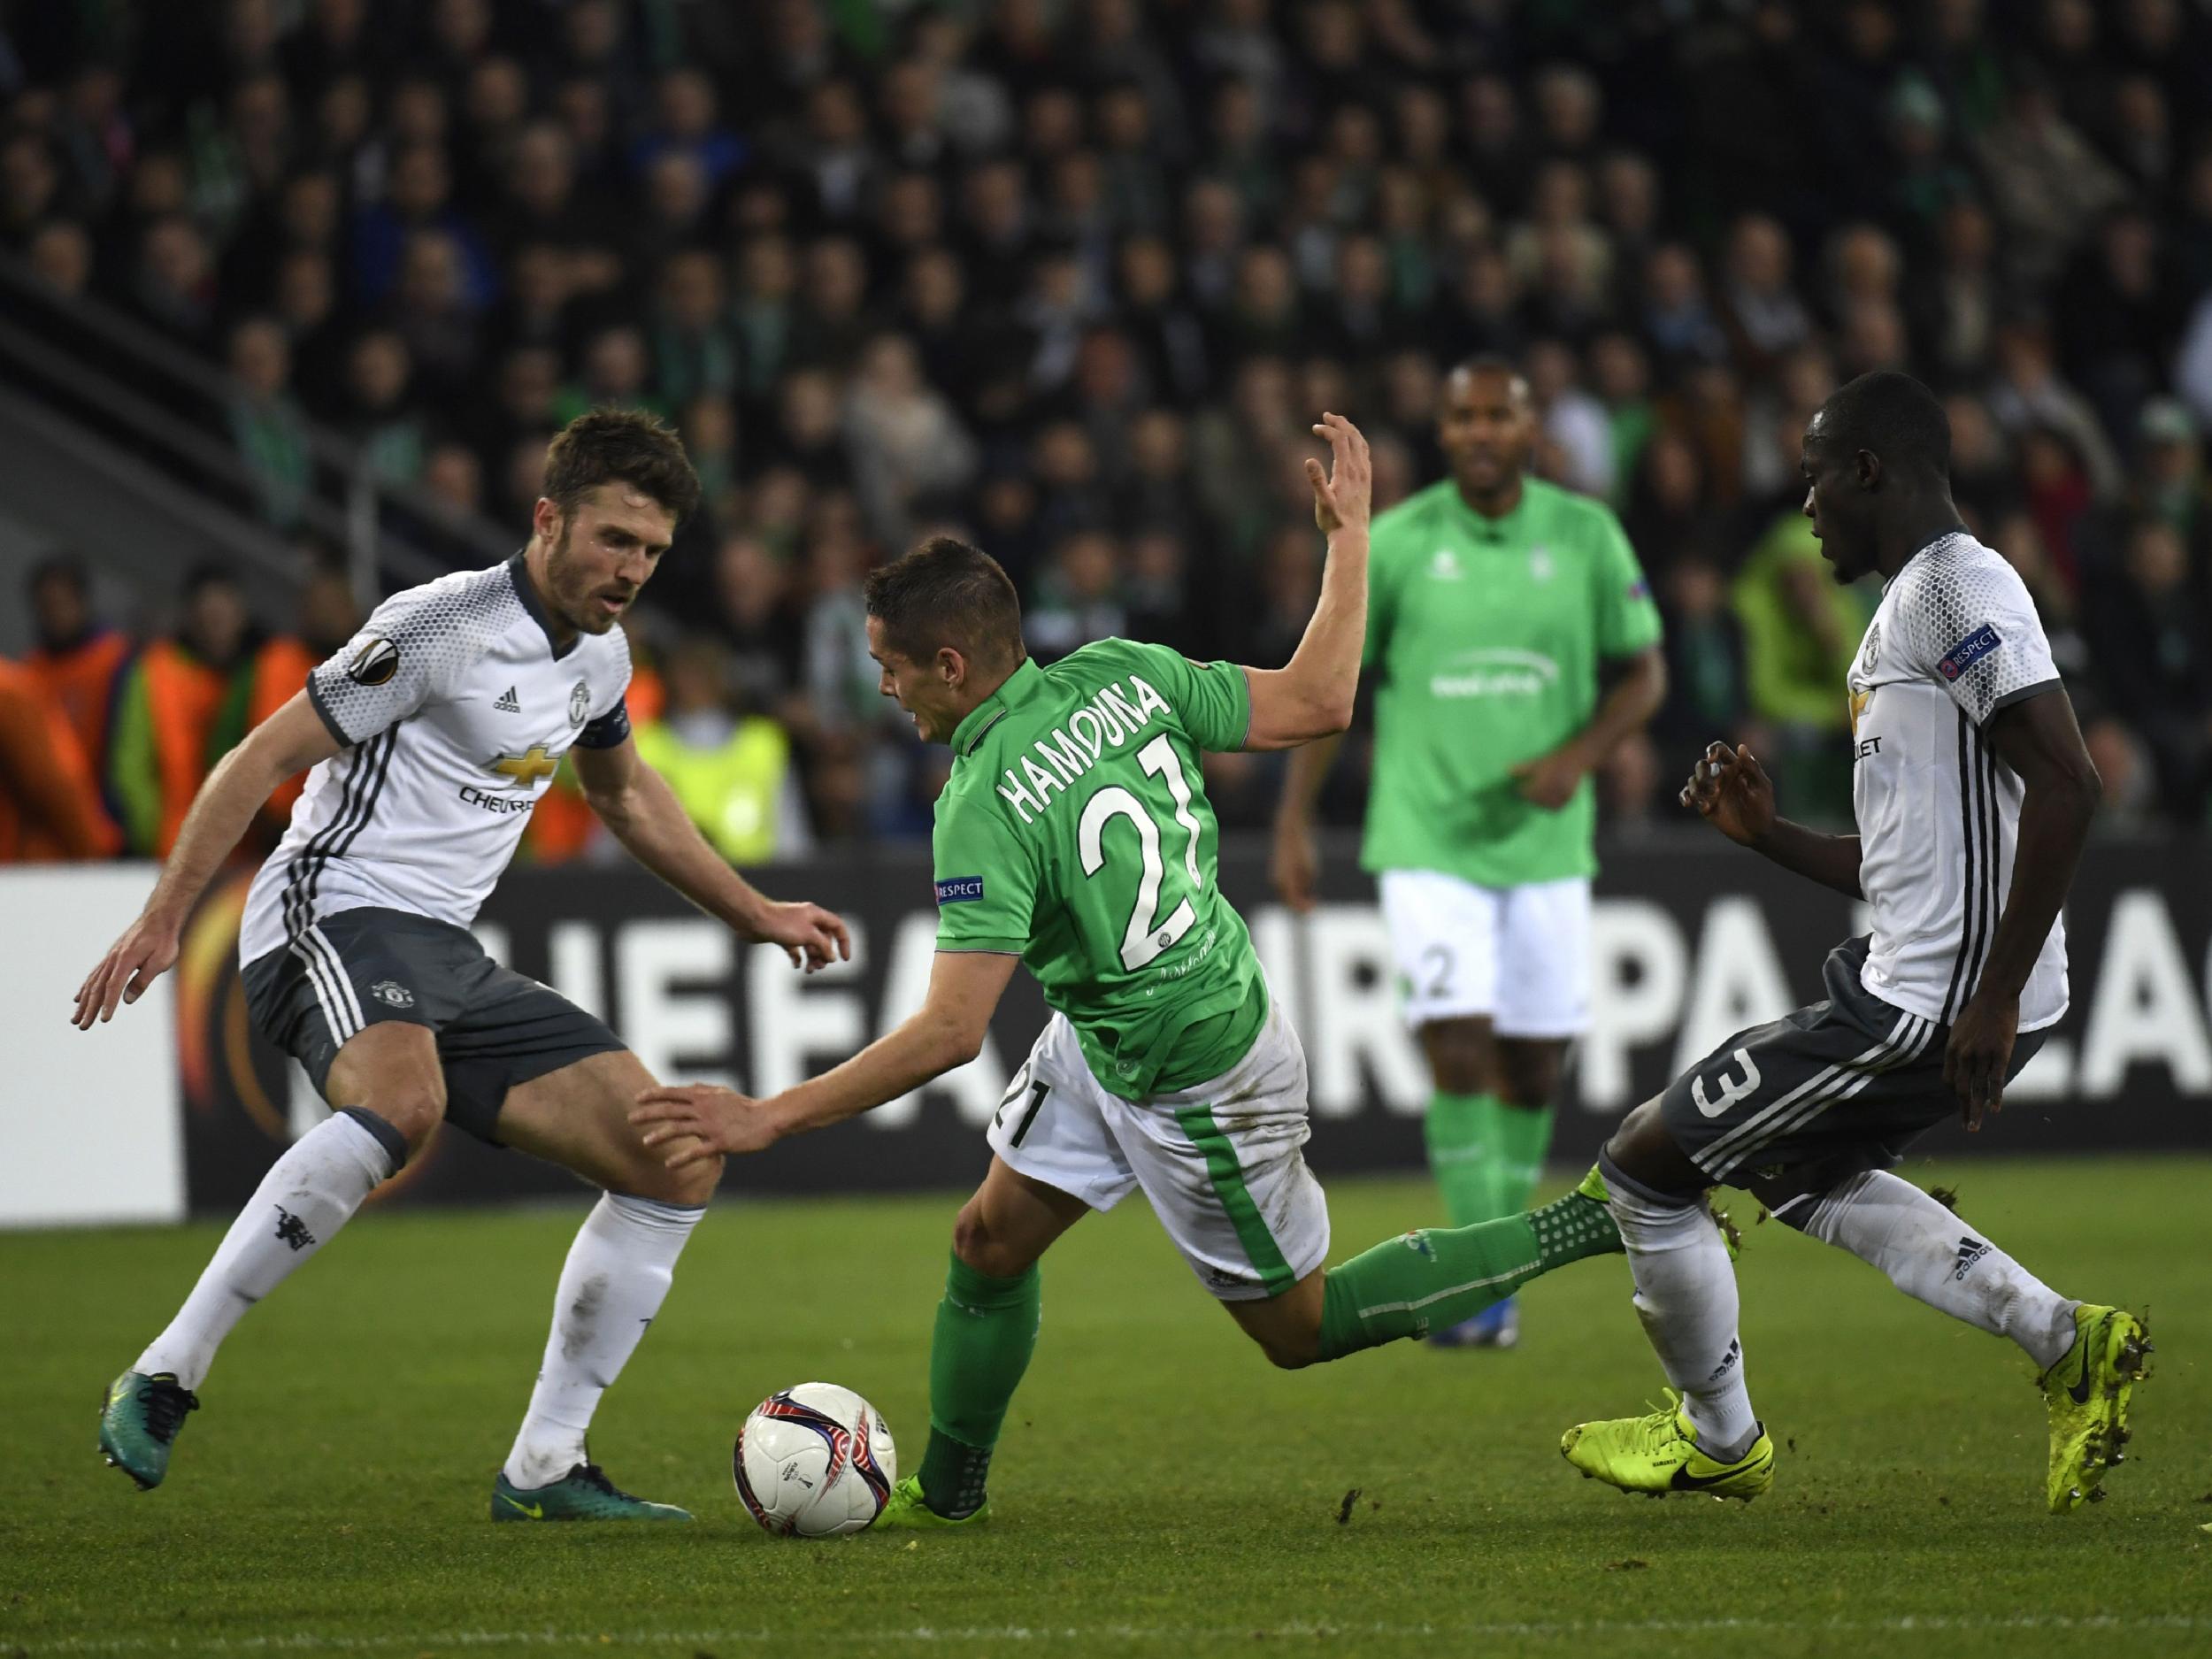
636 803
2039 738
1312 695
946 1031
1732 792
288 742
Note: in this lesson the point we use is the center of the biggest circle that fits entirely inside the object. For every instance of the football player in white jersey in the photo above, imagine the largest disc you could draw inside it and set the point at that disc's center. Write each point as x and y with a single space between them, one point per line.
1973 796
431 735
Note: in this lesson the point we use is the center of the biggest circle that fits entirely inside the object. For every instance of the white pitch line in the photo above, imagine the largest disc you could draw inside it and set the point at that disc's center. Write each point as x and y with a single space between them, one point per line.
924 1635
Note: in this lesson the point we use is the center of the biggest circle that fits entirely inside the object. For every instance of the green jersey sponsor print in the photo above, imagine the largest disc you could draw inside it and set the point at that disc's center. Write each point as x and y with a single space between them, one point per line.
1074 833
1487 635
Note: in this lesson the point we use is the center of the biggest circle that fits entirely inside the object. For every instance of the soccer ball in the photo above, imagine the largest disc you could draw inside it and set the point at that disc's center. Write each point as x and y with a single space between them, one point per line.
816 1460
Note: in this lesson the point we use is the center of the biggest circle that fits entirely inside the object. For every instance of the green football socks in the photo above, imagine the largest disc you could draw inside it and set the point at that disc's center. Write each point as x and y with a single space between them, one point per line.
986 1329
1436 1276
1460 1135
1519 1138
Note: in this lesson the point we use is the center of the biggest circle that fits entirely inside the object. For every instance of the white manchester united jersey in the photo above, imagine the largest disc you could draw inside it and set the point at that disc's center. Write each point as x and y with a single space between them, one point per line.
1954 639
456 708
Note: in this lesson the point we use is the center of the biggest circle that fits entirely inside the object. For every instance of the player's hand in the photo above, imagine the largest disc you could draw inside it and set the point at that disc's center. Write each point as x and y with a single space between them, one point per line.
1294 866
1341 495
1732 793
698 1120
1550 780
1979 1053
146 950
811 936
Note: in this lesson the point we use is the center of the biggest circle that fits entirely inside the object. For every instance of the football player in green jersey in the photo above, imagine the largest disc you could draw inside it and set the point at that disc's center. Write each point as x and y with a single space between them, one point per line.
1517 645
1074 836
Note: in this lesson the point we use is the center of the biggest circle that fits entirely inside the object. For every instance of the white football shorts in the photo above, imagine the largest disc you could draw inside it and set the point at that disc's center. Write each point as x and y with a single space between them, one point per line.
1517 957
1221 1162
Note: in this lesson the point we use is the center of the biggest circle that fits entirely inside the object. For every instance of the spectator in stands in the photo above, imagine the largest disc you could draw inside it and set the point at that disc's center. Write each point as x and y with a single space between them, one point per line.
1800 632
60 256
545 205
1126 251
267 427
327 618
181 706
77 662
2047 183
731 769
1764 317
49 803
1077 597
693 349
911 457
1575 430
1708 686
2153 649
2028 392
840 677
753 614
688 122
433 313
418 200
379 413
30 187
173 287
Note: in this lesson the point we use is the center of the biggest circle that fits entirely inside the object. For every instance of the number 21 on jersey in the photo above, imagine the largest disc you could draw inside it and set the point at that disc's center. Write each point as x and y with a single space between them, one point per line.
1146 935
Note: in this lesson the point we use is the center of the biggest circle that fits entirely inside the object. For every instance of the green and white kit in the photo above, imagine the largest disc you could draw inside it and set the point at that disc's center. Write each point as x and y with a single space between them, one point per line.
1485 637
1074 833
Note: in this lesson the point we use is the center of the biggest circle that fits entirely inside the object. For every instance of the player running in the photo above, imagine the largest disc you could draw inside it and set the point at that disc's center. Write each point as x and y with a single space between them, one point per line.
1074 835
1973 794
432 735
1518 646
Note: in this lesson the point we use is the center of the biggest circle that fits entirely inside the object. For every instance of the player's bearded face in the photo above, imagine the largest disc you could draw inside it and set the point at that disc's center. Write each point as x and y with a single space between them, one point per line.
608 548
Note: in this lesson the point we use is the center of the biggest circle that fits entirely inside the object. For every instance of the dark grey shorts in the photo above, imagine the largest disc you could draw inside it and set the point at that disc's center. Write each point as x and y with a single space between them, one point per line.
1849 1081
495 1028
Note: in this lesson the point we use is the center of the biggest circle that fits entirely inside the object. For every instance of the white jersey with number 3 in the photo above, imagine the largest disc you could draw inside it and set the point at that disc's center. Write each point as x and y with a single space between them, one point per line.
455 707
1954 639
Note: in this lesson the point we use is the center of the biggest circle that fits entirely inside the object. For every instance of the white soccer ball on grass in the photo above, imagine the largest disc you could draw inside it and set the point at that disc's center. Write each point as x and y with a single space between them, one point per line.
816 1460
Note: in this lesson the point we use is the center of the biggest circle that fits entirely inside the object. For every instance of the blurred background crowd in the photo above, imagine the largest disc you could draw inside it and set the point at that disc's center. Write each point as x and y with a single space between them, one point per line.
1078 275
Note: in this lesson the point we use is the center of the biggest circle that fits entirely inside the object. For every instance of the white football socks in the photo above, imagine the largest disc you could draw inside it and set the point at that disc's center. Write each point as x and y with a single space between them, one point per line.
307 1196
617 1274
1686 1295
1932 1256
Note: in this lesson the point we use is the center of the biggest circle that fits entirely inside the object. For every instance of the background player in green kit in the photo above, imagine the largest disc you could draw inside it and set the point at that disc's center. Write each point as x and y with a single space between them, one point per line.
1517 644
1074 835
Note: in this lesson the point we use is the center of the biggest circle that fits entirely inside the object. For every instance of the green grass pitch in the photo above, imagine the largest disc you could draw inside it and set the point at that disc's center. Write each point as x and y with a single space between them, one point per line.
1160 1490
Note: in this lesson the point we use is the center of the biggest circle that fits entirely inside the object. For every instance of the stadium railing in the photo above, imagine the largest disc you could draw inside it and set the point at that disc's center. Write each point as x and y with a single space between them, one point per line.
87 365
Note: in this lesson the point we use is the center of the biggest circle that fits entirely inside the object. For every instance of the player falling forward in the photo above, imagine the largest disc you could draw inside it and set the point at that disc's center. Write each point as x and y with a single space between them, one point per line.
1519 645
432 735
1973 796
1074 834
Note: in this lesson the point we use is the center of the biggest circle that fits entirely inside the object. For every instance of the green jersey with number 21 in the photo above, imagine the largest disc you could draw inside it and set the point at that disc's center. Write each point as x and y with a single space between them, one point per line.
1074 833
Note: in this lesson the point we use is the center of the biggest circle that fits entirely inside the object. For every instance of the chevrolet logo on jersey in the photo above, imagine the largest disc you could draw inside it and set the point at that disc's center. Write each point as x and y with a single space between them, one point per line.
528 767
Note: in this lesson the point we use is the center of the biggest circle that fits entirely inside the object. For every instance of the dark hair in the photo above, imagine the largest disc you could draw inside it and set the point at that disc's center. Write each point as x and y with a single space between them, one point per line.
627 446
66 568
1893 416
206 574
947 593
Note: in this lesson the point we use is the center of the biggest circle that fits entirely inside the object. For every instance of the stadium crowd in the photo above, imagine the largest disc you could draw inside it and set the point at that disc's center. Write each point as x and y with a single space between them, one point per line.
1078 275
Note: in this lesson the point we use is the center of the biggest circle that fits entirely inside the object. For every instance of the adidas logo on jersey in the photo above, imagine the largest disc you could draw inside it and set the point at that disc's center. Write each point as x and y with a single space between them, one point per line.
507 705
